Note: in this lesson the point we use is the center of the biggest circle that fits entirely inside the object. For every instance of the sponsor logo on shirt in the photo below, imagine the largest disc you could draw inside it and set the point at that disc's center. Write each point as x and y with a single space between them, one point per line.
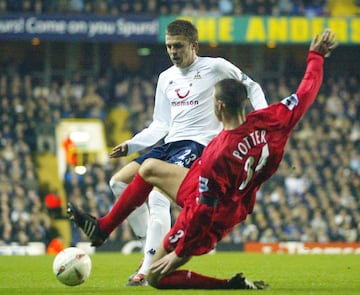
184 103
183 93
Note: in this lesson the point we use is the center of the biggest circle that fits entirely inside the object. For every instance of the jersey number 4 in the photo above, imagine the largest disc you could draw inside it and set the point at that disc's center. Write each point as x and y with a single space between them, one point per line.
250 167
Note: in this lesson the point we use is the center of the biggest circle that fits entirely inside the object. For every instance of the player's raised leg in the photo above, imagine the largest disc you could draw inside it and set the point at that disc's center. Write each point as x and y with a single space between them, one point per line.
152 172
98 229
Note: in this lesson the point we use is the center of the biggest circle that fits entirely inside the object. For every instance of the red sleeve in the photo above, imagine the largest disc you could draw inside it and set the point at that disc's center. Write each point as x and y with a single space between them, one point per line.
310 84
291 109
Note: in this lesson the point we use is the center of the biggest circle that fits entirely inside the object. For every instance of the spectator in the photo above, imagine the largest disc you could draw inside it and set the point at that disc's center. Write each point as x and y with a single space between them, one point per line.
76 6
225 7
3 7
53 205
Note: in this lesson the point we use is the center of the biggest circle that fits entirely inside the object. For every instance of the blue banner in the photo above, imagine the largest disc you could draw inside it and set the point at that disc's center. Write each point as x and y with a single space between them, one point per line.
79 28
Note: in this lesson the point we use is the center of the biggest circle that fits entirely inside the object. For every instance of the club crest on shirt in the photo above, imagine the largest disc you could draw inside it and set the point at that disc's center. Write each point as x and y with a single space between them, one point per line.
197 76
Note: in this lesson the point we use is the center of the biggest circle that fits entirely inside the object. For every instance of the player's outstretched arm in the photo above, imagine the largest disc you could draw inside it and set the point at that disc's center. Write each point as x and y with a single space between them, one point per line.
309 87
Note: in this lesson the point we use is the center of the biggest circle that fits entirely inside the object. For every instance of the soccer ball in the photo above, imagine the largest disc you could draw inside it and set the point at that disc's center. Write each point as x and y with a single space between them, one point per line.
72 266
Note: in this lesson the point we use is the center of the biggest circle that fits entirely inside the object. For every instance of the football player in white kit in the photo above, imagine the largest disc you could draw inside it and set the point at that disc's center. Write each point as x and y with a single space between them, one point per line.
184 118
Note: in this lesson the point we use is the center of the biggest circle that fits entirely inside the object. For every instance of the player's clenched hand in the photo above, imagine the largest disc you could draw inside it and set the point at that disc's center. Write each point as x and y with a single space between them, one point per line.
167 263
120 150
325 44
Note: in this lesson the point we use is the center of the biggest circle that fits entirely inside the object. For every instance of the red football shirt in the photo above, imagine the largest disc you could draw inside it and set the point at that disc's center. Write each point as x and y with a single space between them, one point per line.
235 164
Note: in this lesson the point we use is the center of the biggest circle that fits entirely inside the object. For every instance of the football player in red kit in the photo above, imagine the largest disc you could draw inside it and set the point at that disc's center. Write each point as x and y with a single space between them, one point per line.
219 190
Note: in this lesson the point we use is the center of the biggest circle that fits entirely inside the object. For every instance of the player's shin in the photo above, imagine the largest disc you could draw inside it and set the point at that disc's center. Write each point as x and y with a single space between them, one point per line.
159 225
133 196
138 219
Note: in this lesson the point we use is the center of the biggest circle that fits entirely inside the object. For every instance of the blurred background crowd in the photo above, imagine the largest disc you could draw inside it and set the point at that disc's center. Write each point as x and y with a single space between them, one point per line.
314 196
165 7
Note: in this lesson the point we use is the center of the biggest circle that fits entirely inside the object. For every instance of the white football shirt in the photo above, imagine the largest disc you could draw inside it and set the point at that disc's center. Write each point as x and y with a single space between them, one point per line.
184 108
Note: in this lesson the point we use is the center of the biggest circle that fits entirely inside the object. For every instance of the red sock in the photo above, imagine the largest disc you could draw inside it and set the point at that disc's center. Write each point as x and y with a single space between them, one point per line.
133 196
186 279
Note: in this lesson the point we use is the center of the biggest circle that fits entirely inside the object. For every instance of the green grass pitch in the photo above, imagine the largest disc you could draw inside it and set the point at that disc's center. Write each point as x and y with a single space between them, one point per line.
287 274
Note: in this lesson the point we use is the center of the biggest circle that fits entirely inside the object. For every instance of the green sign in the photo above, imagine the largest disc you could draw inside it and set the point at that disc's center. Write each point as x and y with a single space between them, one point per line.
256 29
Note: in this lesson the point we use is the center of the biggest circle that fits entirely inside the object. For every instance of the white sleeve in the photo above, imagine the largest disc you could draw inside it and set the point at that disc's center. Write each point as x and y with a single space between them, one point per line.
158 128
255 92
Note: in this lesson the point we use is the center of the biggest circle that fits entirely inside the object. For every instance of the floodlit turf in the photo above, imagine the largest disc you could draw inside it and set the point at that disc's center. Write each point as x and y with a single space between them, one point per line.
287 274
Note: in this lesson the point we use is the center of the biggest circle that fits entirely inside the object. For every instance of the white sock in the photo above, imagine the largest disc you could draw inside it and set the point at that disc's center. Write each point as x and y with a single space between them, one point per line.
158 226
138 219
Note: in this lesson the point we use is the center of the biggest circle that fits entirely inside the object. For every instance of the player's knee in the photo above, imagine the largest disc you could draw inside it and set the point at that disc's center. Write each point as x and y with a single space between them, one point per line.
112 182
125 174
148 168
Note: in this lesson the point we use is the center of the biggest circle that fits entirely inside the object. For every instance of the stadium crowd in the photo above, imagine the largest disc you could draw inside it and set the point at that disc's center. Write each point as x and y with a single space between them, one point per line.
28 116
164 7
313 196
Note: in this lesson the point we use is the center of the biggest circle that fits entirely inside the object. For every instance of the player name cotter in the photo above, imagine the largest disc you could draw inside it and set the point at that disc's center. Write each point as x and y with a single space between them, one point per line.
253 139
